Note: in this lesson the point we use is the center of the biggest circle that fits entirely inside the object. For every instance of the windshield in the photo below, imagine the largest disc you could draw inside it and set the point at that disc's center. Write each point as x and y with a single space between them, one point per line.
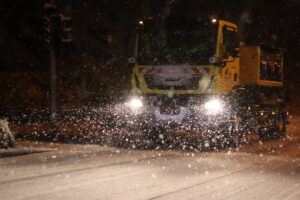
177 41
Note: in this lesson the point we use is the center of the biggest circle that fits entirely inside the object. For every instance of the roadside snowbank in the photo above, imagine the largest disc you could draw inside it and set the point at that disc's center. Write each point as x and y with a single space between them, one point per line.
7 138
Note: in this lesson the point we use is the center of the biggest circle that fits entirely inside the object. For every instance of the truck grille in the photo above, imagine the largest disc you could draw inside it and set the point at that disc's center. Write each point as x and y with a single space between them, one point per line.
191 83
169 110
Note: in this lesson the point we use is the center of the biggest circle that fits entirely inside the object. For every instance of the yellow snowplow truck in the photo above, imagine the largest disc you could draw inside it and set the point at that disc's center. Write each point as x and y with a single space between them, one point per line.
195 75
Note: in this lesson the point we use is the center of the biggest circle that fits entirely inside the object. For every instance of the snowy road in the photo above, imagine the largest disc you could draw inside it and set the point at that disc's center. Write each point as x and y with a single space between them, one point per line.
257 170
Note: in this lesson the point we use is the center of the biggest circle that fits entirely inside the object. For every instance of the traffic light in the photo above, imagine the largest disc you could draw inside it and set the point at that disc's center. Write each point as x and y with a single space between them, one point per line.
50 13
65 28
46 31
50 8
57 28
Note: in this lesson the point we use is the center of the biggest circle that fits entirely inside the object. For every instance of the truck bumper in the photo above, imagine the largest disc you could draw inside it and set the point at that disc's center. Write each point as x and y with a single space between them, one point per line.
188 119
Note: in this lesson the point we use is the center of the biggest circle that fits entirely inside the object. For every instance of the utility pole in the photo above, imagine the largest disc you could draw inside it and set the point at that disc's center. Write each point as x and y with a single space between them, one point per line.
57 30
53 120
49 31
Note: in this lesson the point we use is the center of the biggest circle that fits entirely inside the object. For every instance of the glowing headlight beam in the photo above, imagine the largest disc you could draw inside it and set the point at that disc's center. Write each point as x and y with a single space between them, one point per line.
135 103
213 106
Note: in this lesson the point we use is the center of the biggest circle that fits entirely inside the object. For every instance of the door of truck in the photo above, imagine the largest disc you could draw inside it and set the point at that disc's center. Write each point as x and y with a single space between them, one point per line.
227 51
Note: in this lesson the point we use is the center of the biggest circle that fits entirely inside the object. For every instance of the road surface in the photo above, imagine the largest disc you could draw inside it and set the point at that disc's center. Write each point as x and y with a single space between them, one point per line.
256 170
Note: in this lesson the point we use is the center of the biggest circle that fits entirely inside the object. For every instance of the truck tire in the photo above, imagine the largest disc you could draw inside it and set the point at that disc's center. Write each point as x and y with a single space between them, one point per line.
275 131
233 136
280 127
220 136
224 136
210 138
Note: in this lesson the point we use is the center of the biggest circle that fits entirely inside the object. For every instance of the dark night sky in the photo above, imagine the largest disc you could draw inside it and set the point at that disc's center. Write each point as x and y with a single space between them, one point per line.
275 23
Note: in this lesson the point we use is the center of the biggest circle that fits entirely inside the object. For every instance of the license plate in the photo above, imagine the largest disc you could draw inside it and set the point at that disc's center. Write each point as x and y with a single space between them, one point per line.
169 111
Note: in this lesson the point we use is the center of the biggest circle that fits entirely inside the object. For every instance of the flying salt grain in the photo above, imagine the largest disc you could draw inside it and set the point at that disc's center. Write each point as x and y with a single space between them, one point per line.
261 155
206 144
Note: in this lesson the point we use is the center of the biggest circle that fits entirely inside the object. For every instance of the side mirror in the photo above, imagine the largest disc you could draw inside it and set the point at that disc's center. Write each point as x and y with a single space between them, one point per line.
216 61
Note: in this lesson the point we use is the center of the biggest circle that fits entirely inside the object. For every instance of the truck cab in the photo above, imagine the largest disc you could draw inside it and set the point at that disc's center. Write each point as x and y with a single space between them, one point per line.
186 56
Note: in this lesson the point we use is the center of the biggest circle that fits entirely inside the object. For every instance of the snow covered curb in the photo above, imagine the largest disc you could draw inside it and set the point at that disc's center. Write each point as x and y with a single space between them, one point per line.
7 138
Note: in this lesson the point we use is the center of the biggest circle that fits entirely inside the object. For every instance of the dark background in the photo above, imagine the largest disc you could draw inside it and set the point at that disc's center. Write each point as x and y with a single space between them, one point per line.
93 68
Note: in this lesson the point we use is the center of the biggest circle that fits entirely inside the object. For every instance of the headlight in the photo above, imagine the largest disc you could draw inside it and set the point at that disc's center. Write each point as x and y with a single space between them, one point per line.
135 103
213 106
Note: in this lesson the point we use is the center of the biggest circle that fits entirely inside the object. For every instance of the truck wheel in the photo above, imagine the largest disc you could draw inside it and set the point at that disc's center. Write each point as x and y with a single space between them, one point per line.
263 133
280 127
234 135
209 138
235 141
218 138
274 132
